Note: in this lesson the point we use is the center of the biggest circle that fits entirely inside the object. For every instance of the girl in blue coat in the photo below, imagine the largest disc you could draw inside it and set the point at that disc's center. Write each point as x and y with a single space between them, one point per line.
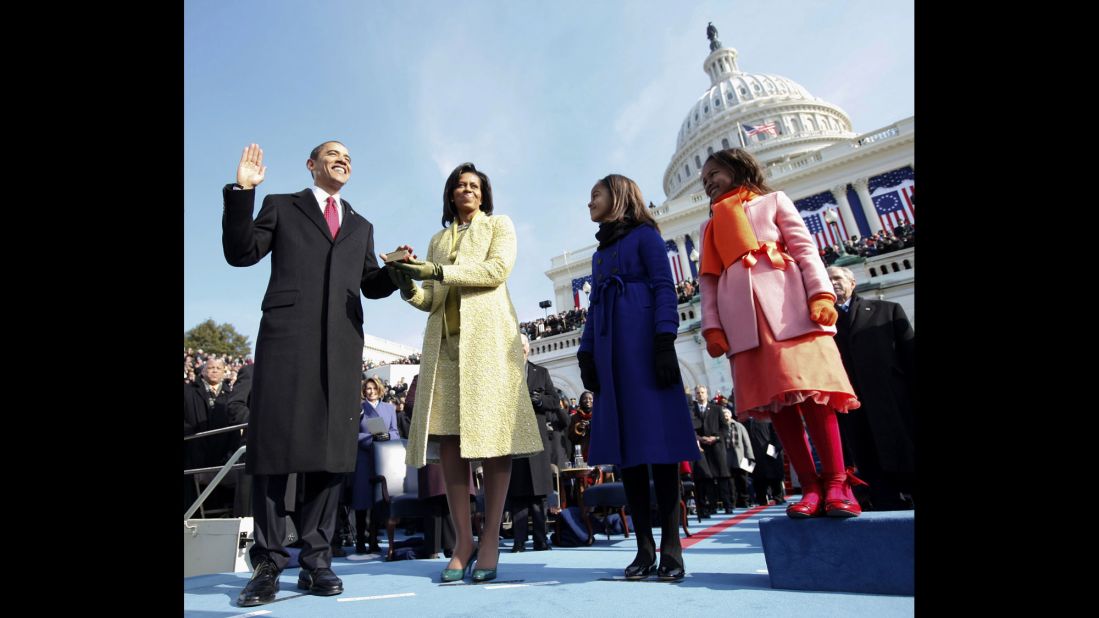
627 358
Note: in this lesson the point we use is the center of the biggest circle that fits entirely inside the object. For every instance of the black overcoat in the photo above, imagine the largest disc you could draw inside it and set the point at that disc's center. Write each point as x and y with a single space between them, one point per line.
878 347
530 476
305 389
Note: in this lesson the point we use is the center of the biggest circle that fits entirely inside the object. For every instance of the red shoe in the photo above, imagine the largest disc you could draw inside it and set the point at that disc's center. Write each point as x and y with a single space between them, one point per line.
810 503
840 500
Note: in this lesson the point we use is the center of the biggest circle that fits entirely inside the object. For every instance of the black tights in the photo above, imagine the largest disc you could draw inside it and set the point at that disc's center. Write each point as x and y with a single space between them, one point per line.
635 480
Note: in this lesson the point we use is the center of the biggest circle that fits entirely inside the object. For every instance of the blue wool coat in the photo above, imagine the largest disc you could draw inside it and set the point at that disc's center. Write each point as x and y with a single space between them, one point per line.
632 299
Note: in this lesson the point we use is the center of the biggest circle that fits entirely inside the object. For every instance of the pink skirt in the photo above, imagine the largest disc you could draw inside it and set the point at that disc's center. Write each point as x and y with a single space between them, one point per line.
778 374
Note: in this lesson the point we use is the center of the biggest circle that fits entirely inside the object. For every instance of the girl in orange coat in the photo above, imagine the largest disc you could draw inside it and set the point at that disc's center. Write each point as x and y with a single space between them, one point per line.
768 305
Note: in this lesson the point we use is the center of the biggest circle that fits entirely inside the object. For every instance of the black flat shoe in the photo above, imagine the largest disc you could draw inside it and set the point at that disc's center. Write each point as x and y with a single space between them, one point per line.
670 574
262 587
516 550
640 571
322 582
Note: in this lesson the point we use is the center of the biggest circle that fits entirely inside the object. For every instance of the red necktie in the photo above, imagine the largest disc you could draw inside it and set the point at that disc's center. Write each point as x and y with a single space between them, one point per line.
332 217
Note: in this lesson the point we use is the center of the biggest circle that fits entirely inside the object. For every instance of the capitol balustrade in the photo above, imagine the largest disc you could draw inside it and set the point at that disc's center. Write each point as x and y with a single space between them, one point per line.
889 266
894 131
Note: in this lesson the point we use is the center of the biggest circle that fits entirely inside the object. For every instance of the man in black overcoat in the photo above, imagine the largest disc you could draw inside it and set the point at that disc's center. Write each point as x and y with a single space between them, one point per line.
204 408
306 383
878 347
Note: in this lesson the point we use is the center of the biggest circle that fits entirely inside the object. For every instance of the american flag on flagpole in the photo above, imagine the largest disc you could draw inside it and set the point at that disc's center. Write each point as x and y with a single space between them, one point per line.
812 211
766 127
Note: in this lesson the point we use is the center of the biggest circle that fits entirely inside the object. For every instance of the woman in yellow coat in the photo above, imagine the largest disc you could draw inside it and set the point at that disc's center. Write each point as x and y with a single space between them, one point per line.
473 399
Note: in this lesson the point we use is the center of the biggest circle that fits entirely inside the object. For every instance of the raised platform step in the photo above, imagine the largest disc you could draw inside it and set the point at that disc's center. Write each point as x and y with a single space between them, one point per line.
873 553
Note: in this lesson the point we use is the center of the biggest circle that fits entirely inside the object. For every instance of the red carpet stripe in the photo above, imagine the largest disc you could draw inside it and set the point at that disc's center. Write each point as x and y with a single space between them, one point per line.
718 527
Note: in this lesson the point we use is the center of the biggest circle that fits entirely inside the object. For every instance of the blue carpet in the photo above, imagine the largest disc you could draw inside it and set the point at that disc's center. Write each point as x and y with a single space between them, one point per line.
726 572
872 553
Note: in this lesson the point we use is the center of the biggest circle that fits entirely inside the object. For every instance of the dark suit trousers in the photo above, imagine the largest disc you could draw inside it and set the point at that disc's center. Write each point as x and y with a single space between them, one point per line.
439 533
885 487
705 493
741 482
317 516
725 487
521 511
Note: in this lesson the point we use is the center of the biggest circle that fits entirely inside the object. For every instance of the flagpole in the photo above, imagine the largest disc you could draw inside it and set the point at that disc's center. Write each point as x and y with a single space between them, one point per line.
740 135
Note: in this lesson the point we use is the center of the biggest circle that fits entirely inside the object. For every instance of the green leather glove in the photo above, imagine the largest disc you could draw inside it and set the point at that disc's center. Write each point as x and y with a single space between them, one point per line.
402 280
420 270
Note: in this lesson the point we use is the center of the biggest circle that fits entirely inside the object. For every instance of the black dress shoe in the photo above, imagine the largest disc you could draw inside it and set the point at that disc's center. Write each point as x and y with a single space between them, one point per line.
360 548
338 552
322 582
640 571
262 587
545 547
670 574
515 549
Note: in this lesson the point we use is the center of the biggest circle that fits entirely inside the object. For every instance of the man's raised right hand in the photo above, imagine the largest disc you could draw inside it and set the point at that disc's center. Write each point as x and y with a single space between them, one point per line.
251 170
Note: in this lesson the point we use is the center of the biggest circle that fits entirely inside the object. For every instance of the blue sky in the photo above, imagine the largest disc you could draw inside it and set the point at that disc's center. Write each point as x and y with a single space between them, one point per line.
544 97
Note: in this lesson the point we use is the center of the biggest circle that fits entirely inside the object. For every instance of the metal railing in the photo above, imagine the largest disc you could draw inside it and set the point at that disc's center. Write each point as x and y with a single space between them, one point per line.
221 470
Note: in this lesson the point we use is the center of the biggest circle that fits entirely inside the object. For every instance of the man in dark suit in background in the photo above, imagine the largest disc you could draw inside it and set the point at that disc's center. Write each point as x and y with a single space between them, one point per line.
204 409
711 471
306 382
531 479
878 347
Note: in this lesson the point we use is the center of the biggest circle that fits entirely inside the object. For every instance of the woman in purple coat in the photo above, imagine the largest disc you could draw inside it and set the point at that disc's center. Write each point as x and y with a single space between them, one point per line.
627 358
362 491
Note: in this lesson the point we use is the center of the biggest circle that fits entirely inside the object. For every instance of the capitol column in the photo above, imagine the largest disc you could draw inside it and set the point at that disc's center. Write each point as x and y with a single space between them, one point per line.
840 193
861 187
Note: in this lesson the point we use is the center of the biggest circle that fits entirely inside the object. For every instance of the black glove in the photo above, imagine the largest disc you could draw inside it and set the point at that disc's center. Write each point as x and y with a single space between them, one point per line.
587 371
536 399
664 360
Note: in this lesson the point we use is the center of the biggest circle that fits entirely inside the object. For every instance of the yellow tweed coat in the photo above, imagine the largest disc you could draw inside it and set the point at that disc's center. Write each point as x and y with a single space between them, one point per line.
497 417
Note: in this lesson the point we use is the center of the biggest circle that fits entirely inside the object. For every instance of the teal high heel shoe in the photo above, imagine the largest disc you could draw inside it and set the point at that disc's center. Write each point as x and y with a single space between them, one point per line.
484 575
453 575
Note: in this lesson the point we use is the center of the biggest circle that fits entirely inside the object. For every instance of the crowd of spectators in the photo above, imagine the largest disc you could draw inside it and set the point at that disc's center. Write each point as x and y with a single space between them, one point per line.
574 319
411 359
901 237
686 290
548 326
193 360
